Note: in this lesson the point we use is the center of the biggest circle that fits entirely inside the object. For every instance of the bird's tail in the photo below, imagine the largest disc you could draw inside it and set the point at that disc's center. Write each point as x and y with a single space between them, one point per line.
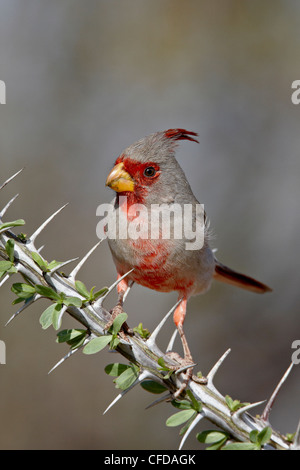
225 274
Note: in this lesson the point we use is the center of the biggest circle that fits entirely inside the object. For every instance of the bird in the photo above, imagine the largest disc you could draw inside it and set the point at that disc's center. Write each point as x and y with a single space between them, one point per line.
145 175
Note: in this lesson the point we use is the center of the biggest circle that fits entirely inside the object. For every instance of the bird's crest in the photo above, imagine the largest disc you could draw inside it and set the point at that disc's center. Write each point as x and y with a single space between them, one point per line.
180 134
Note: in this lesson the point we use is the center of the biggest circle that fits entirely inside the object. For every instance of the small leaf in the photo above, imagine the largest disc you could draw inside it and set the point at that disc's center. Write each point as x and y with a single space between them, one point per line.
82 290
43 264
253 436
9 248
100 293
56 320
118 322
127 378
97 344
143 332
46 317
197 405
75 301
241 446
234 405
5 266
114 342
116 369
210 437
53 264
15 223
264 435
182 404
67 336
153 387
23 291
181 417
48 292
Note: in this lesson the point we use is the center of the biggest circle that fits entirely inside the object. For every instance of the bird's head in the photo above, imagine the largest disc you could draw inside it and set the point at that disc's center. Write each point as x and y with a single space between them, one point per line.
147 171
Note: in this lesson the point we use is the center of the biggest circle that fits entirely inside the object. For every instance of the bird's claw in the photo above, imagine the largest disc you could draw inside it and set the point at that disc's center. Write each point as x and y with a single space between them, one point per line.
185 365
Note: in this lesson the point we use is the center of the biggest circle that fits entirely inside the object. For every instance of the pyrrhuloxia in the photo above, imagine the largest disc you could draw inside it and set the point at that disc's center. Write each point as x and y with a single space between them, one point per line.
147 173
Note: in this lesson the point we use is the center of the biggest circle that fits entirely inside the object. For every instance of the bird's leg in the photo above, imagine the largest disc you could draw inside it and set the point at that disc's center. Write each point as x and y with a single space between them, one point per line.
179 316
122 288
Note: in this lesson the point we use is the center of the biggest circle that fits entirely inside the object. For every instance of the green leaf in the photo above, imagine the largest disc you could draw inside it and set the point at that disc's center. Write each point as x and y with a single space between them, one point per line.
153 387
116 369
241 446
181 417
264 435
82 290
253 436
56 321
67 336
12 269
15 223
43 264
127 378
47 316
9 248
100 293
118 322
97 344
75 301
48 292
114 342
182 404
143 332
23 291
5 266
53 264
234 405
197 405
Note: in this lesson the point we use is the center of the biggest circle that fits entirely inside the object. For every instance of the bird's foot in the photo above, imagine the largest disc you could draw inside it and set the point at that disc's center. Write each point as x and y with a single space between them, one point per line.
185 366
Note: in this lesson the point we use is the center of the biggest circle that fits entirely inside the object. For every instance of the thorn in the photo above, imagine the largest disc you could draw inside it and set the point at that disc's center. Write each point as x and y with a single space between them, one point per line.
70 353
40 248
72 275
10 179
4 280
39 230
63 263
100 301
159 400
172 340
151 341
238 413
296 442
210 376
266 412
59 320
27 303
141 377
7 206
182 369
190 428
127 290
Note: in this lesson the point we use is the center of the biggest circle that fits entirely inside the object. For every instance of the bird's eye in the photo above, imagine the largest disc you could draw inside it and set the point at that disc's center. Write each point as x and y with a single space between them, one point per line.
149 171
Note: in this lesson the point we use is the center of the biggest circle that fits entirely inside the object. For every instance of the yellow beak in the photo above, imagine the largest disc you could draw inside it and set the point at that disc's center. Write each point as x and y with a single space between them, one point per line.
119 180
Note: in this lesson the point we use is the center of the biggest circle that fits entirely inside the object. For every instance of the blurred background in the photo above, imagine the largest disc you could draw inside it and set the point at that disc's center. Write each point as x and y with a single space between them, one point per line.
85 80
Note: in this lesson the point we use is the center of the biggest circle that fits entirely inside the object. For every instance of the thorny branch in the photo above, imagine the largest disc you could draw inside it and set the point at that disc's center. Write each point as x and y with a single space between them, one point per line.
19 254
